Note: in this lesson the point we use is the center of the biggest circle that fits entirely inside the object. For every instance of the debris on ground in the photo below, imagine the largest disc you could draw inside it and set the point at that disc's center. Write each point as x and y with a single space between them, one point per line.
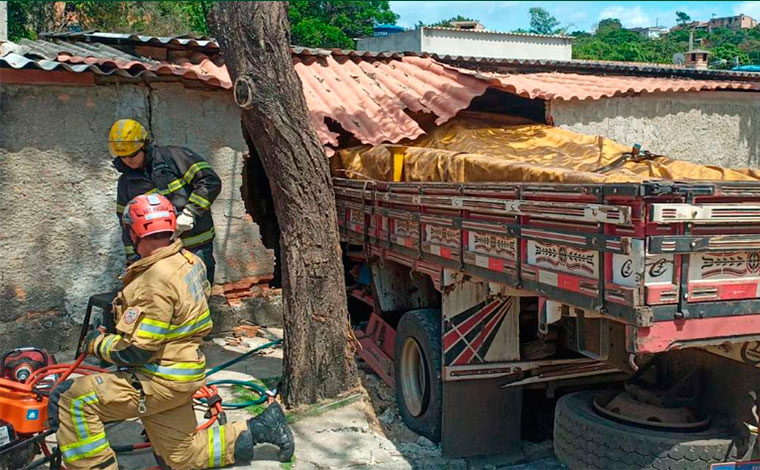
246 331
248 337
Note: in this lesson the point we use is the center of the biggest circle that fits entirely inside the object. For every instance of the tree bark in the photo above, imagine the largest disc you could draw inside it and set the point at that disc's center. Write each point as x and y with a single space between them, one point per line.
254 38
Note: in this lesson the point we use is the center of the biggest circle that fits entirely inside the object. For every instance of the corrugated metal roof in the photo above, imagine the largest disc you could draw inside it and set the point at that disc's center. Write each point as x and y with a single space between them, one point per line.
570 86
550 65
97 36
535 65
102 59
589 66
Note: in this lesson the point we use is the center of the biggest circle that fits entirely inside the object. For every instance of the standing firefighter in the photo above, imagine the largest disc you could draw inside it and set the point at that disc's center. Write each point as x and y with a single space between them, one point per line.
161 317
175 172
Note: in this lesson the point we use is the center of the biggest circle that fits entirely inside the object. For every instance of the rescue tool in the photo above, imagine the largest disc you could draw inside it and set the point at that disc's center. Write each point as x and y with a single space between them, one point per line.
28 376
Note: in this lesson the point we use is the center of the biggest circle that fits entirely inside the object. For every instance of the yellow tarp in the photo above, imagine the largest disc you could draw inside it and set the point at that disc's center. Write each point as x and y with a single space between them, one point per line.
491 148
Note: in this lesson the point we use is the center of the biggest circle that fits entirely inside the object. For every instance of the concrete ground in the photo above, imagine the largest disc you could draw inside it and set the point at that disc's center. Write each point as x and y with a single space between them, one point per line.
362 431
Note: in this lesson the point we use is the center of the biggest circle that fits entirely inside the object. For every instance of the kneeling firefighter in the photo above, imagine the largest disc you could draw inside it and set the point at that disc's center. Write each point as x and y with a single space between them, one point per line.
162 315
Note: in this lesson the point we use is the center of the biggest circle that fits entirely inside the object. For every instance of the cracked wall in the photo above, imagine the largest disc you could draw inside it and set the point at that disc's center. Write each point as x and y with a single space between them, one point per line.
60 241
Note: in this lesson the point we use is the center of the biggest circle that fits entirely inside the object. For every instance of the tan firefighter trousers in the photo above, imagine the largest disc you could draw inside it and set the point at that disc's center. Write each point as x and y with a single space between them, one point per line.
169 421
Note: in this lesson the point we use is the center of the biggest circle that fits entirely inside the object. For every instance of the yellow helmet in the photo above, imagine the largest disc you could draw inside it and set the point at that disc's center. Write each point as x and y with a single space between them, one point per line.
127 136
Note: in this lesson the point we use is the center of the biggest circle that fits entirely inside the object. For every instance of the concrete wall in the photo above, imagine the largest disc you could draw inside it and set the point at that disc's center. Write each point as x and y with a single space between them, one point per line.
470 43
717 128
406 41
60 241
496 45
3 21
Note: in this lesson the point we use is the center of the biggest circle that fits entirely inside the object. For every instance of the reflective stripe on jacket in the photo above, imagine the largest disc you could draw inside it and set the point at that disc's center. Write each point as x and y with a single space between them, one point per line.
163 309
182 176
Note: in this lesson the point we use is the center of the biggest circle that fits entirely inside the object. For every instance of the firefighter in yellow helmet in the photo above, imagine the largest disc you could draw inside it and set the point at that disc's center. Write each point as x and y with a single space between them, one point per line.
162 315
178 173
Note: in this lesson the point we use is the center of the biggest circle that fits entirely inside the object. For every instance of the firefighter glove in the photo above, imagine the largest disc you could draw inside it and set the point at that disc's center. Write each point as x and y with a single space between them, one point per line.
185 222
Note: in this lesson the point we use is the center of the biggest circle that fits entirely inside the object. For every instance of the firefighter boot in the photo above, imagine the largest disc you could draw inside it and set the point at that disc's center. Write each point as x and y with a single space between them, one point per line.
269 427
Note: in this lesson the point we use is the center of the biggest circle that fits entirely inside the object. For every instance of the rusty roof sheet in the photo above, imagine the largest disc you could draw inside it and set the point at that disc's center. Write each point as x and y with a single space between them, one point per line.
105 60
572 86
121 38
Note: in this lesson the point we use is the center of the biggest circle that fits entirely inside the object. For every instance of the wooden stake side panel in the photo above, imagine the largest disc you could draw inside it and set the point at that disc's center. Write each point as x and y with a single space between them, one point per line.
605 248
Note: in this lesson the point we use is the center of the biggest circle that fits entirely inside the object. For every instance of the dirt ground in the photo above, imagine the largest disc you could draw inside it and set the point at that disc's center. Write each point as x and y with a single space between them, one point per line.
362 430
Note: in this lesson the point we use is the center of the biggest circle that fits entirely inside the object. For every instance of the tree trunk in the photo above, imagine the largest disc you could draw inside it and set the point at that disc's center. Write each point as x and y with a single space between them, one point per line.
254 38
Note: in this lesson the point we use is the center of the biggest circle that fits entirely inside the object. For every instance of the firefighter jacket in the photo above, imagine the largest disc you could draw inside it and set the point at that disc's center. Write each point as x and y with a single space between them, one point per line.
161 318
184 178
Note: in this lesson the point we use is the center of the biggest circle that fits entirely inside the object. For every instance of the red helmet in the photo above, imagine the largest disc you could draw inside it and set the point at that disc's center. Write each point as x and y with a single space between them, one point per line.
147 214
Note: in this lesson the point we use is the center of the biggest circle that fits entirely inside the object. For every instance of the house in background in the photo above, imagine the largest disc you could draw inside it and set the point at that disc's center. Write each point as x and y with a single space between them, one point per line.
470 38
650 32
732 22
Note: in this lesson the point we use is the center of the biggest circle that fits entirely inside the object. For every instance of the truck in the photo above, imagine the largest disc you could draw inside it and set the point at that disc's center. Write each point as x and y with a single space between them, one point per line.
629 311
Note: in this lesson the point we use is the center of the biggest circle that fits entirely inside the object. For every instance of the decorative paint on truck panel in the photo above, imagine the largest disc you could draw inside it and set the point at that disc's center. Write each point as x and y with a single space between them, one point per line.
564 258
475 335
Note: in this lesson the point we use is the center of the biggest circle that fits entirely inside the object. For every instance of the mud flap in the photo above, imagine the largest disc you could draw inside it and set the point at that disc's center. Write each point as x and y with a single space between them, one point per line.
479 418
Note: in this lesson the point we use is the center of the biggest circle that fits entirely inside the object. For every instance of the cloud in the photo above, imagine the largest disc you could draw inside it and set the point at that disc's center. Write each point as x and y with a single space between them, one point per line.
630 17
748 8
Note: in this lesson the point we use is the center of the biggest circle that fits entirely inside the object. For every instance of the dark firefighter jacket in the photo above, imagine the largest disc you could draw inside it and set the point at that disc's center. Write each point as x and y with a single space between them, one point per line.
182 176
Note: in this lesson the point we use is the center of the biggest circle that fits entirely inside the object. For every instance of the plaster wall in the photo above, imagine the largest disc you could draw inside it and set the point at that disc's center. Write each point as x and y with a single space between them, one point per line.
59 241
713 128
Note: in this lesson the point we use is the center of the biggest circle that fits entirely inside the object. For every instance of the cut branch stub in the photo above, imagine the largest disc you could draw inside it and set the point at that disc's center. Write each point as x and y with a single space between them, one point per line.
244 92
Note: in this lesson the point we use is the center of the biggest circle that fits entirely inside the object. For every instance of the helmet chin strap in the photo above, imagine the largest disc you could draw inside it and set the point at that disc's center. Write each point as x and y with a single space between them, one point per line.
135 239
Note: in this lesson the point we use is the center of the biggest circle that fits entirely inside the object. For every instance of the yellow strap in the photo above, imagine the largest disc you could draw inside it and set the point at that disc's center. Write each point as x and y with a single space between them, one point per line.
398 164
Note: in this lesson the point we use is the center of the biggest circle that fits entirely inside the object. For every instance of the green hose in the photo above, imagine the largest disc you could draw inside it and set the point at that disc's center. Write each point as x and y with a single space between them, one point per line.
256 388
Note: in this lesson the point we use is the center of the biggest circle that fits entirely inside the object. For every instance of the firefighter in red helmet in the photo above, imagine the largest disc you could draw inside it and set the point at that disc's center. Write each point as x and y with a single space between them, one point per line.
162 315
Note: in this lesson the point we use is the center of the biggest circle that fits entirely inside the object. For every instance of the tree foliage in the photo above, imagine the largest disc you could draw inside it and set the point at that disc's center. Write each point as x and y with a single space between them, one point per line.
29 19
314 23
682 18
335 24
542 22
445 23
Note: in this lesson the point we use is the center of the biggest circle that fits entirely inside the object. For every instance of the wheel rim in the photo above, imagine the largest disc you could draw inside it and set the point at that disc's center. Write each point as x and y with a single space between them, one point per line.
414 383
643 415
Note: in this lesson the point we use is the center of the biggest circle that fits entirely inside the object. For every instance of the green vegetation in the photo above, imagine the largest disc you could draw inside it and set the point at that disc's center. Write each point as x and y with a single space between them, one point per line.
541 22
314 23
335 24
243 394
445 23
28 19
612 42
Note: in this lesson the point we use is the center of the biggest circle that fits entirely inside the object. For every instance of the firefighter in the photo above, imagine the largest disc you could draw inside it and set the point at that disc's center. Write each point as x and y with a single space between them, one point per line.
175 172
162 315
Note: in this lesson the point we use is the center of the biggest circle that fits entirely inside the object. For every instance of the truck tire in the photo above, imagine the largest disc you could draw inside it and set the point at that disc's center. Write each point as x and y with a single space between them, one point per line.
418 371
583 440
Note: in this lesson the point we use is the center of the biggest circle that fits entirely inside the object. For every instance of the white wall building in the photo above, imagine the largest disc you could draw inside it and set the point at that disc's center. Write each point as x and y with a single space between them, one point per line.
472 43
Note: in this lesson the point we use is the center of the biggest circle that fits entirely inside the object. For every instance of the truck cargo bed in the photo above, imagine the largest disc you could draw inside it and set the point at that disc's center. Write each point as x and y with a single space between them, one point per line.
679 263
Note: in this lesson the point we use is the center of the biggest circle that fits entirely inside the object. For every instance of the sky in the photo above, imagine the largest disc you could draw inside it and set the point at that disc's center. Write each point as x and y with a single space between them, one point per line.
511 15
